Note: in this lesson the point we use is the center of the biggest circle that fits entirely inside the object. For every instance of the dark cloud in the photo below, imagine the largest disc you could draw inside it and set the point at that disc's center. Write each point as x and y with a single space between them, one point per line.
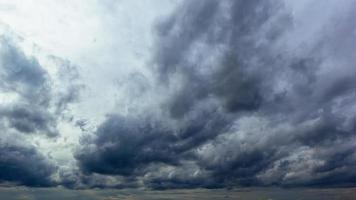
126 146
23 75
32 88
25 78
134 143
241 107
27 118
23 165
30 104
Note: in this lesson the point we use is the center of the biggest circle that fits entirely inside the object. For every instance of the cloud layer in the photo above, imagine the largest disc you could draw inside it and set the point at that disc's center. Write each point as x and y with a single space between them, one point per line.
236 93
243 106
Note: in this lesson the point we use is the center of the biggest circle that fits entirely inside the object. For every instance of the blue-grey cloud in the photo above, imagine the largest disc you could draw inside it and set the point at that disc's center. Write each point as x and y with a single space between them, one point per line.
29 106
24 165
240 109
237 93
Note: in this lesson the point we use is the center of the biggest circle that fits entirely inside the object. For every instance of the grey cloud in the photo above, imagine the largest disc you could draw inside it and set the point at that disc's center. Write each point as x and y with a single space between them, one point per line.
35 96
241 34
203 108
30 119
174 41
30 104
70 84
23 75
123 145
24 166
127 146
242 108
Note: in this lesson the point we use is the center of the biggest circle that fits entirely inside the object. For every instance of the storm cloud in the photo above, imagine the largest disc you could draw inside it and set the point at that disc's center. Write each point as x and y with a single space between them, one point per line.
245 105
21 165
27 108
229 93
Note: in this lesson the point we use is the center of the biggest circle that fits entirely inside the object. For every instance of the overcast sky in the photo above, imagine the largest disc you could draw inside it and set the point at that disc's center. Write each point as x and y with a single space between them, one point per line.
164 94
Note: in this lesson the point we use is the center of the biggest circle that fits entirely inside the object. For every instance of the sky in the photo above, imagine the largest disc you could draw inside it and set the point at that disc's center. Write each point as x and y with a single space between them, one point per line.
171 94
